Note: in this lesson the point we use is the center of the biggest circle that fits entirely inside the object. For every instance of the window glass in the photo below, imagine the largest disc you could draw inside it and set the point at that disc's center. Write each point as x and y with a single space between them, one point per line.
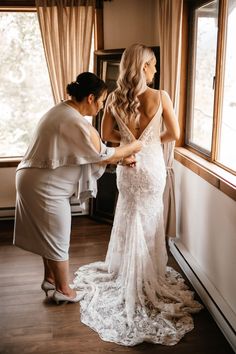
227 141
25 91
203 73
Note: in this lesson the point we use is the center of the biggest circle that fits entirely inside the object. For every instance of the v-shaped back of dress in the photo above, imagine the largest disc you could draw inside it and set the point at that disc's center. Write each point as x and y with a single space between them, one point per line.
150 134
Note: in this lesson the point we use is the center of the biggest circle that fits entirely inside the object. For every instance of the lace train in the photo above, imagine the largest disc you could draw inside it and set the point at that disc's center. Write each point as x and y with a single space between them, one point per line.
103 308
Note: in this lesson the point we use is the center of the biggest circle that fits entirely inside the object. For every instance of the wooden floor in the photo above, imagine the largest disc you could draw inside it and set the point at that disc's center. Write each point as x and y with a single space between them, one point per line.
30 323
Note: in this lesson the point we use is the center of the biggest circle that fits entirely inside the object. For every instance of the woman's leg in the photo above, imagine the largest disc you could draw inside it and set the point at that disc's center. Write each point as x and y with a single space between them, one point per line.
60 271
48 273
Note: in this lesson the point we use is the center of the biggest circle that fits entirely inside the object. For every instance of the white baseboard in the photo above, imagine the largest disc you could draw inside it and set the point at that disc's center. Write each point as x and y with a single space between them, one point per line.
78 208
8 213
214 302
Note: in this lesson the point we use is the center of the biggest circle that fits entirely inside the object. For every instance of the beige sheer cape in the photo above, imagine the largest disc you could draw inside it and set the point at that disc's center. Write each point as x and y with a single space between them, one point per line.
62 138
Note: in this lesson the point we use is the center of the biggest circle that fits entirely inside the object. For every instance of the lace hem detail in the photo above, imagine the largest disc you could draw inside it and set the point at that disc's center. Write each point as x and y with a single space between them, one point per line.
105 309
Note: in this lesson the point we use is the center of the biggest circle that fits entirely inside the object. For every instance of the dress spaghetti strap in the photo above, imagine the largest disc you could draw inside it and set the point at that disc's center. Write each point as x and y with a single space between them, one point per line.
161 98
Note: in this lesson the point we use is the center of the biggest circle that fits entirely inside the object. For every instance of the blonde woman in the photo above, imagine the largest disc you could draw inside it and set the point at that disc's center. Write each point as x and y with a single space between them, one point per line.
133 296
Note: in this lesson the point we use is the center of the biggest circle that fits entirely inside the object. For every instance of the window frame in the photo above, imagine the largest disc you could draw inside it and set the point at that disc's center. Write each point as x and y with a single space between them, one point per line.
204 166
218 83
191 78
15 6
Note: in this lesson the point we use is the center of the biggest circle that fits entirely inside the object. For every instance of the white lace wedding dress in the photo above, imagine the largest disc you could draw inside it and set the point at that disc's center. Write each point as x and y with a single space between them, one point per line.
133 297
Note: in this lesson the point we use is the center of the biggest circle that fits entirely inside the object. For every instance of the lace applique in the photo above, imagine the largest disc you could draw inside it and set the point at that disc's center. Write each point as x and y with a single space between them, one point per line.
127 137
149 137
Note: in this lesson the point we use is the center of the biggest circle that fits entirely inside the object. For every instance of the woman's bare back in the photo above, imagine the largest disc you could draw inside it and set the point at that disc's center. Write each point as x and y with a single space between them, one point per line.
149 104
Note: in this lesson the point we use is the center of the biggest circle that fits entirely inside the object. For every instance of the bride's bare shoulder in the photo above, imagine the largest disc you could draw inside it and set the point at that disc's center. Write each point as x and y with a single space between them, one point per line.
149 102
150 97
153 91
155 96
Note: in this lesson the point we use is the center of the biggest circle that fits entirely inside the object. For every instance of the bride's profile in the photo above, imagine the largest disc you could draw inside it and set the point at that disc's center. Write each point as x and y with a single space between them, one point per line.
133 296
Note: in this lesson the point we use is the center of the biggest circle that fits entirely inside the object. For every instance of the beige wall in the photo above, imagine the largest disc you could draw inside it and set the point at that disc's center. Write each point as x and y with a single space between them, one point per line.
7 187
7 191
127 22
206 228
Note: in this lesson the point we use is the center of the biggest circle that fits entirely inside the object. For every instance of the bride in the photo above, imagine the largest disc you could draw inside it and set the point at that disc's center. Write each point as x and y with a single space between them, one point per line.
133 296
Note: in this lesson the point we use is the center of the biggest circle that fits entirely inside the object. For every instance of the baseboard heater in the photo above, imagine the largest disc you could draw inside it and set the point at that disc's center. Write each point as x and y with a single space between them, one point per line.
7 213
213 301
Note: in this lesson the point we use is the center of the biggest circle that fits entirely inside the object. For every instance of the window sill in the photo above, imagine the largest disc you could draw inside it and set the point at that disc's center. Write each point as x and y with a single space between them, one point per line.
213 174
9 161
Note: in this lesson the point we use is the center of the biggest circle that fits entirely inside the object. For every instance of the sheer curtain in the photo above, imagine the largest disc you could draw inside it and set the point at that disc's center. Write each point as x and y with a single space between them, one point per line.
169 24
66 27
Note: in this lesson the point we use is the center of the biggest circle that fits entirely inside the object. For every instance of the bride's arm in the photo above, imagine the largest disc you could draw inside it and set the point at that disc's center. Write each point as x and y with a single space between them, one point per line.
172 130
108 131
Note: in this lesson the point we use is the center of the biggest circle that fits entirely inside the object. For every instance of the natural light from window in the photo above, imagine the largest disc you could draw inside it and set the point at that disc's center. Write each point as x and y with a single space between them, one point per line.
25 91
202 120
227 141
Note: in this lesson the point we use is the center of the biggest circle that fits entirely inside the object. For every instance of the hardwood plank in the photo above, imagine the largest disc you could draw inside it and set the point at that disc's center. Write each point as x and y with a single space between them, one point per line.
31 323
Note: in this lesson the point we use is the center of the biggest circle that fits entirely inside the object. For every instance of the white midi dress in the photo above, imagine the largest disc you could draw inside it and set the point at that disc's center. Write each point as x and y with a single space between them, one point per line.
60 162
43 221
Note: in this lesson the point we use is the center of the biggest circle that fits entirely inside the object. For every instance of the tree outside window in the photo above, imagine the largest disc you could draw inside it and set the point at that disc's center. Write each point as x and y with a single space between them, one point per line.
211 117
25 91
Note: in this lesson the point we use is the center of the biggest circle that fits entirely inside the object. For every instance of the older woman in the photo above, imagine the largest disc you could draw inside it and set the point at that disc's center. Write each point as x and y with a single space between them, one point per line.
66 156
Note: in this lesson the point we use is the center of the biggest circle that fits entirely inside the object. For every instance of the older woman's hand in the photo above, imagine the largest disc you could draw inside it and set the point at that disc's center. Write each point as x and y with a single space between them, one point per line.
136 146
129 161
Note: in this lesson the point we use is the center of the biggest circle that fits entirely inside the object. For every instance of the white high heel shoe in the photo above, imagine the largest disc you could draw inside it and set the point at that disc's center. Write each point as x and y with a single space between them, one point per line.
57 297
46 286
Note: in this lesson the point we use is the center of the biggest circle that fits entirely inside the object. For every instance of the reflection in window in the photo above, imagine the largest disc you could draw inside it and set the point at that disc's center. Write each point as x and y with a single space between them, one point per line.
25 92
227 141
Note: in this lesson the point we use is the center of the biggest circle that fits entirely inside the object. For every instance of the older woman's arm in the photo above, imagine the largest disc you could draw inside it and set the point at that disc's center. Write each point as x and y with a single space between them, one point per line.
121 152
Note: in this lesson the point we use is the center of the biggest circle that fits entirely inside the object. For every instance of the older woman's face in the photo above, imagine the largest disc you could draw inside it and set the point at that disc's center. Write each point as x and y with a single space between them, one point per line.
96 105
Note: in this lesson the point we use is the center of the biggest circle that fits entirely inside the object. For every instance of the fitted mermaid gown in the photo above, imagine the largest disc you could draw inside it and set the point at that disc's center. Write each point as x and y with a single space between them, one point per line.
133 296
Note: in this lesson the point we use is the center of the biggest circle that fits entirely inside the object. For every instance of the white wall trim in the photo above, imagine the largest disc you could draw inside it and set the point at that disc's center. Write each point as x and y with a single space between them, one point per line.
8 213
214 302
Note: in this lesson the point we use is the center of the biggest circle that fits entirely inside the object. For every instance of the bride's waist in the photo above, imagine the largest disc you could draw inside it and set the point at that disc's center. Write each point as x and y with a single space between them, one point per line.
146 144
149 150
145 162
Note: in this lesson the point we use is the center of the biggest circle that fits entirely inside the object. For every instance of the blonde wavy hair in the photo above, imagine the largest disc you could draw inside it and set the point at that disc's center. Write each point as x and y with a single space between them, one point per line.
131 83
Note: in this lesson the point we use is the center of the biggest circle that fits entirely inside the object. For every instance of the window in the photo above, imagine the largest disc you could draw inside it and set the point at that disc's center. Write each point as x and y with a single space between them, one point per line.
25 91
227 145
211 113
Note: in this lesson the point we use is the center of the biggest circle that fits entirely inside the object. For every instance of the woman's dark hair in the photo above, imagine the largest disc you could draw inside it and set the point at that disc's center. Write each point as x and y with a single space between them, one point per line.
86 83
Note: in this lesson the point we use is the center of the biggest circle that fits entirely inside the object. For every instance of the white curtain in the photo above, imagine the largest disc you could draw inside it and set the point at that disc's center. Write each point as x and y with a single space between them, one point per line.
66 27
169 26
